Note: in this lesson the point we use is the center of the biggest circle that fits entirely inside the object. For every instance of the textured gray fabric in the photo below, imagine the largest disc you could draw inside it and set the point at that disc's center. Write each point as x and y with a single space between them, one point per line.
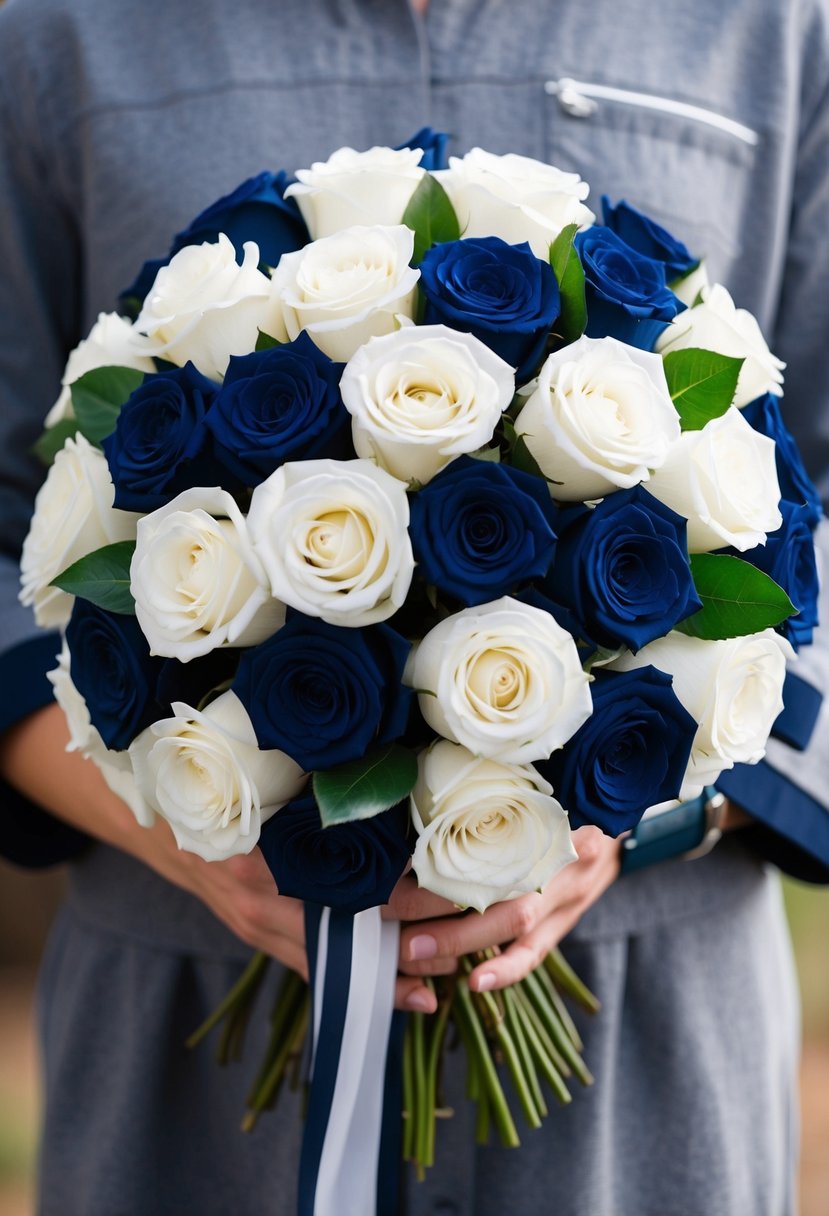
124 121
692 1113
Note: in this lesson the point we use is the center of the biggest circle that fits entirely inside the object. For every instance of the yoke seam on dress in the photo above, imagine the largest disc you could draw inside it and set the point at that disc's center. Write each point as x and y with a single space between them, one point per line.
206 954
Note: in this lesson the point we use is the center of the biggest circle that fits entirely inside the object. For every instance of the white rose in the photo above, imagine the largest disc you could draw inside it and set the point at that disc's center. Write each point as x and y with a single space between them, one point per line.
422 396
73 516
723 479
504 679
204 308
109 344
196 579
115 767
347 288
599 418
206 775
716 324
350 188
691 286
332 536
733 688
485 831
514 198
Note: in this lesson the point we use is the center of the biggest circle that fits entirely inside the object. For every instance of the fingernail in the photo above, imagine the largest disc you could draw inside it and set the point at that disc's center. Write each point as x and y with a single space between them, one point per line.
419 1001
422 946
485 981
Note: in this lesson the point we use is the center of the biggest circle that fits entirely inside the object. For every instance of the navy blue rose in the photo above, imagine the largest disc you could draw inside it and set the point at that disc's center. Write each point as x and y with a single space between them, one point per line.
795 483
480 529
255 211
631 753
788 557
276 405
111 667
323 694
433 145
350 866
647 237
627 294
622 568
502 294
192 681
160 445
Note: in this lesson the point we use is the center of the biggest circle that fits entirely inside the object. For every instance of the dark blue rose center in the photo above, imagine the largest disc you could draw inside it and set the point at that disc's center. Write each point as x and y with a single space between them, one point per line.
486 532
112 669
630 754
349 866
490 283
480 530
151 433
639 574
622 569
324 694
502 294
275 403
624 273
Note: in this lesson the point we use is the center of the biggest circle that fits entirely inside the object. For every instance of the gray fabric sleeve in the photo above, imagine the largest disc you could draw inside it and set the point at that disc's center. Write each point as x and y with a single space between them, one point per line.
801 337
40 305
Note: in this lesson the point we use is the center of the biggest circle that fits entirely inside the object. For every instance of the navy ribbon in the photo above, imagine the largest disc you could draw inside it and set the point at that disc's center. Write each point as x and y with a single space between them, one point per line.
327 1053
350 1159
391 1137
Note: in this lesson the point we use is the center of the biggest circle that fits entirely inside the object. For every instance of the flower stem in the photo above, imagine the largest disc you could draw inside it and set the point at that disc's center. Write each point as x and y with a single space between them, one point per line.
244 990
420 1091
555 1029
266 1092
289 1006
561 1010
515 1021
565 977
482 1120
495 1094
432 1064
409 1112
513 1061
545 1054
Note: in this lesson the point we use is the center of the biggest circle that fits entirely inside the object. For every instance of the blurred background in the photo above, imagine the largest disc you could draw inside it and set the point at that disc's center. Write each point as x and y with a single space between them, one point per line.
28 902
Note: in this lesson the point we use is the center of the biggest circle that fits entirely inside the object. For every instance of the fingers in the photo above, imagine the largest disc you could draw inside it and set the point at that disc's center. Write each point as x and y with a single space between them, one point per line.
523 956
458 935
290 955
410 902
411 993
436 966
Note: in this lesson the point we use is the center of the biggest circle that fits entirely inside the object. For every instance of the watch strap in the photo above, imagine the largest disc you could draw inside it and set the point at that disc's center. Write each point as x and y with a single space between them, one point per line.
690 829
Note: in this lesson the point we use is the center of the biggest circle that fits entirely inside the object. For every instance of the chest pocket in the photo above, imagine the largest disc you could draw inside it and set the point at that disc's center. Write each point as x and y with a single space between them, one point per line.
688 167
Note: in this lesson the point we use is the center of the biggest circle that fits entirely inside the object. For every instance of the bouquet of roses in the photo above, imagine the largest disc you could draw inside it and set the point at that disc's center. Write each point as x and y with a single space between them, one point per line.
416 479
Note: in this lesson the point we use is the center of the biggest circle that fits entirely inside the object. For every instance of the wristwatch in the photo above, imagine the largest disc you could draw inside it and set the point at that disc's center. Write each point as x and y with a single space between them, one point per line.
690 830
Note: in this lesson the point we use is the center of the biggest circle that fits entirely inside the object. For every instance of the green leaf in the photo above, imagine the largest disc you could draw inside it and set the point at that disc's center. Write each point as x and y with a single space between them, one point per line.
102 577
737 599
491 455
266 341
521 457
97 397
53 438
569 274
702 384
365 787
431 217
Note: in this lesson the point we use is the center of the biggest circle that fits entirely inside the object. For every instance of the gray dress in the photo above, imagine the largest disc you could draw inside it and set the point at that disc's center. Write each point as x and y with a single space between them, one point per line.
693 1112
119 124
